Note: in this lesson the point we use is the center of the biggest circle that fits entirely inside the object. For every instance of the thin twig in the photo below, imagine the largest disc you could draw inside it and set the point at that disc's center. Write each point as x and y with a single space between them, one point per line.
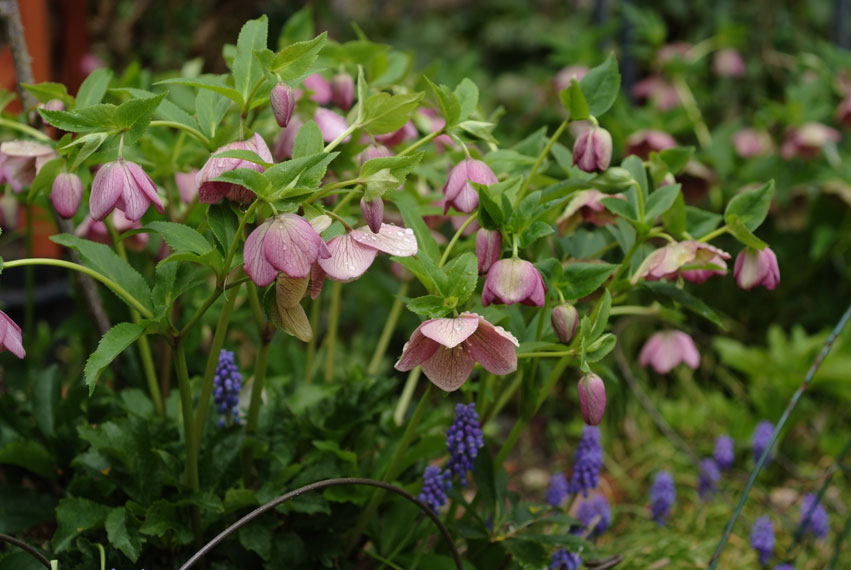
323 485
10 12
24 546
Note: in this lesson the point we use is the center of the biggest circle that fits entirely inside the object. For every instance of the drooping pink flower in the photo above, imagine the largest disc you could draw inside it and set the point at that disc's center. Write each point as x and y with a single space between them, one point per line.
448 349
586 205
756 267
666 262
285 142
658 91
565 74
352 253
123 185
20 161
806 141
592 398
715 266
343 91
592 151
330 124
373 213
458 191
488 249
751 142
66 193
320 88
10 336
514 280
187 185
285 243
664 350
282 100
564 320
211 191
728 62
97 231
373 151
672 51
406 132
642 143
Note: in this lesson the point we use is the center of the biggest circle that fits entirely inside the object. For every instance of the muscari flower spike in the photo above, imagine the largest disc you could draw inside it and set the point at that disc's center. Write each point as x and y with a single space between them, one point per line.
558 490
435 485
724 453
707 480
761 436
818 523
762 538
597 507
589 461
564 560
464 439
227 384
662 496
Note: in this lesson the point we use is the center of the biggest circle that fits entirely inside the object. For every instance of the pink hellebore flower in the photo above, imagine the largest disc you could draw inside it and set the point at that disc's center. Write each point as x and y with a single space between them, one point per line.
563 77
666 262
715 266
343 91
10 336
458 191
751 142
320 88
658 91
282 100
642 143
488 248
66 193
728 63
514 280
592 151
352 253
285 142
330 124
754 267
123 185
664 350
21 160
592 398
186 185
97 231
407 132
586 205
373 151
373 213
448 349
806 141
211 191
286 243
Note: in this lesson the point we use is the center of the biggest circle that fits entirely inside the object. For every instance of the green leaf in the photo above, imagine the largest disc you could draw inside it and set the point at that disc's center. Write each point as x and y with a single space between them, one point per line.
674 219
215 83
397 167
308 140
210 109
43 182
74 516
600 348
467 94
298 27
89 119
332 446
490 214
223 222
601 315
751 206
574 101
447 101
120 536
251 179
463 275
385 113
479 129
294 61
526 211
581 279
243 154
741 232
621 208
113 343
31 455
701 222
21 509
163 519
246 68
46 90
535 232
686 299
133 116
677 157
601 86
635 167
181 237
660 201
410 211
306 171
94 87
431 306
528 554
103 259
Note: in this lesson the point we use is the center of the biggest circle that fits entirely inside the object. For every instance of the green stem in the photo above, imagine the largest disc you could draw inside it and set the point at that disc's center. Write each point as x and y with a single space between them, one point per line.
520 425
238 237
455 238
693 112
325 190
334 143
634 310
407 394
556 354
837 545
331 334
504 397
257 386
191 435
200 312
113 286
344 200
641 207
311 346
387 331
202 138
431 136
538 161
29 274
35 133
714 234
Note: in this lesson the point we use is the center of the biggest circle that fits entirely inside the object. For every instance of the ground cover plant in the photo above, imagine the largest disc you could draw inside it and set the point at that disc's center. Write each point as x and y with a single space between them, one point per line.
327 312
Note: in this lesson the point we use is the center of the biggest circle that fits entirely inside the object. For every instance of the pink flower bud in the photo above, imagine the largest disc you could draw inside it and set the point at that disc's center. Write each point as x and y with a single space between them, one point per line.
407 132
658 91
10 336
53 105
330 124
488 248
592 398
123 185
751 142
320 88
754 267
373 212
564 319
592 151
66 194
343 91
664 350
373 151
643 143
728 63
563 77
514 280
282 99
458 191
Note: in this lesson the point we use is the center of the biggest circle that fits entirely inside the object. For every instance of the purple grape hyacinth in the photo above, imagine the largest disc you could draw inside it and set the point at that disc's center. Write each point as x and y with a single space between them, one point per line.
818 523
662 496
435 485
762 538
784 567
724 453
707 480
464 439
761 437
226 386
558 490
589 461
564 560
596 506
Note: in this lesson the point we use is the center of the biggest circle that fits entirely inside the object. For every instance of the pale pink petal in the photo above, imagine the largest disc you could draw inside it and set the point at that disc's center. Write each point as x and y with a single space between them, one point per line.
688 351
10 336
291 245
258 145
317 277
27 149
450 332
390 239
493 348
416 351
449 368
145 185
349 259
254 260
106 189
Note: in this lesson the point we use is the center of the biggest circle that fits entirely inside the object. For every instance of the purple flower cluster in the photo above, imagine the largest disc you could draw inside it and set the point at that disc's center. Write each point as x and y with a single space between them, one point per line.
589 461
762 538
784 567
761 437
435 485
564 560
662 496
597 508
707 481
464 439
818 523
558 490
226 386
724 452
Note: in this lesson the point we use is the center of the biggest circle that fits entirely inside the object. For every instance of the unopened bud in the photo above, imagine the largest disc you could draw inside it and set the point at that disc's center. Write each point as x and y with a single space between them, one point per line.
592 151
592 398
373 211
282 99
343 91
53 105
564 319
488 248
66 194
